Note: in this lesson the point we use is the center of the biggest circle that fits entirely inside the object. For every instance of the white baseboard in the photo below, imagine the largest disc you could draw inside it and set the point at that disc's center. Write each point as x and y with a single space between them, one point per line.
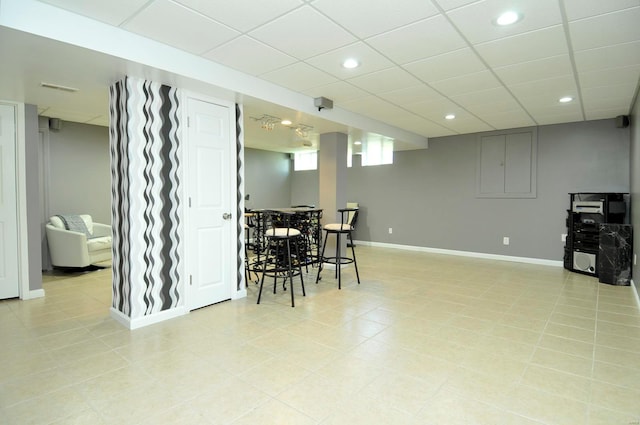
634 288
147 320
236 295
36 293
486 256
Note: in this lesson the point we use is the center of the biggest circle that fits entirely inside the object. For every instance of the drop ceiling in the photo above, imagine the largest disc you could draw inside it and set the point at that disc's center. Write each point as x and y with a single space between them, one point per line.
419 60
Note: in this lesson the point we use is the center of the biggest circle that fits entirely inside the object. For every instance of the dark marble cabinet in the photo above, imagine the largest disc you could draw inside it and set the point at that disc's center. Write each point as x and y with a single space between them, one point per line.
583 251
615 254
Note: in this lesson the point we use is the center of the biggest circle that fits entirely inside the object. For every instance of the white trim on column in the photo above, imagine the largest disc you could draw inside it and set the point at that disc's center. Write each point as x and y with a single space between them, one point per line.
21 195
36 293
147 320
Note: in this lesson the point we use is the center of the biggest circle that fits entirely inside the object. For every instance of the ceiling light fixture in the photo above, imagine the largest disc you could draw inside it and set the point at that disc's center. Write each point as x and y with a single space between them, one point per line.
565 99
449 117
508 18
302 130
357 142
285 122
267 122
58 87
350 63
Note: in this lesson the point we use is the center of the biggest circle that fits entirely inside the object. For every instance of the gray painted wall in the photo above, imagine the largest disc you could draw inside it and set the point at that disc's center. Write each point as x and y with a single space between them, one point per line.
305 187
266 179
34 204
428 196
635 186
79 171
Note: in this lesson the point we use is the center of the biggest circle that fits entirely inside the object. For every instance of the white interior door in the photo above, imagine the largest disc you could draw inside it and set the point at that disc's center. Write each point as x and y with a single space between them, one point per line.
210 198
9 285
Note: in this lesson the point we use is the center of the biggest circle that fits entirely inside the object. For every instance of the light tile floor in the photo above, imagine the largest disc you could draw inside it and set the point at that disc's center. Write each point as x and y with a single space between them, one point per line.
425 339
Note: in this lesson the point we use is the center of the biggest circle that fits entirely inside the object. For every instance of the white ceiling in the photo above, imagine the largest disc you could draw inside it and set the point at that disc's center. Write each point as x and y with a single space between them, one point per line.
420 59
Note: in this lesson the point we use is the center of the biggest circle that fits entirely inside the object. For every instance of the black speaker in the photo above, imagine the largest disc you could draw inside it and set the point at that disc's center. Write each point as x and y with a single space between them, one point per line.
622 121
55 124
585 262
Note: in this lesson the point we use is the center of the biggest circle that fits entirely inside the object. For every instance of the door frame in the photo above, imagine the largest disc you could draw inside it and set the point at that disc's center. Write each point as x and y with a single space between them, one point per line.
233 181
21 202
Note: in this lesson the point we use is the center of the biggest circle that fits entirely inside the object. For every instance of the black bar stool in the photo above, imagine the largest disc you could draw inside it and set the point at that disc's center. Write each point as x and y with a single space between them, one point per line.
342 228
280 259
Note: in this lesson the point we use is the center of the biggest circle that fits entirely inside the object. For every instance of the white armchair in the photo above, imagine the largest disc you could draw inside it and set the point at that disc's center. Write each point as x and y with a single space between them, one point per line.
76 249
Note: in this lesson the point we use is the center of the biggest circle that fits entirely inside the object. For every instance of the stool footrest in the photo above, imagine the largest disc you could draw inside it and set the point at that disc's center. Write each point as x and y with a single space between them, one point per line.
334 260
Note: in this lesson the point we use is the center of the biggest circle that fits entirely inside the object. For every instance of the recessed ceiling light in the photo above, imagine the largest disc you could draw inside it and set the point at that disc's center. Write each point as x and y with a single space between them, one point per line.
357 142
449 116
350 63
285 122
508 18
565 99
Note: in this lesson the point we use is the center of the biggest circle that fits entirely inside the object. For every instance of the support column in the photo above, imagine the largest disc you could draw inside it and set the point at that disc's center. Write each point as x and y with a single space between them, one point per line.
147 209
332 167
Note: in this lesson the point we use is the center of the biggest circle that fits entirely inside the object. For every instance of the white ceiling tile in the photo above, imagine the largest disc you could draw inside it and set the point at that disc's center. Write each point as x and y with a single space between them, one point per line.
621 104
374 107
558 118
248 55
452 4
189 31
101 120
624 75
448 65
242 15
385 81
553 88
491 108
541 69
365 18
524 47
604 30
469 124
614 91
507 119
112 12
423 39
578 9
303 33
299 76
338 92
475 21
466 83
493 96
436 109
410 95
601 114
618 56
532 59
542 105
370 61
70 115
420 125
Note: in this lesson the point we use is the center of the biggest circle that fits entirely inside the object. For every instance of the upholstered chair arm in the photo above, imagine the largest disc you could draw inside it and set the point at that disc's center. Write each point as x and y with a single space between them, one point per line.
100 230
67 248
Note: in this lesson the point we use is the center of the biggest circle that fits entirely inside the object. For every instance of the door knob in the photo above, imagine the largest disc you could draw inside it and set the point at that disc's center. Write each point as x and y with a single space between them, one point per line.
226 216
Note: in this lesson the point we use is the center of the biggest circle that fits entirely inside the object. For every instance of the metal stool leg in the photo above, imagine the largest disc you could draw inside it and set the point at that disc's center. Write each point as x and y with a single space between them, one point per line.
290 273
300 271
321 262
264 272
355 263
338 261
